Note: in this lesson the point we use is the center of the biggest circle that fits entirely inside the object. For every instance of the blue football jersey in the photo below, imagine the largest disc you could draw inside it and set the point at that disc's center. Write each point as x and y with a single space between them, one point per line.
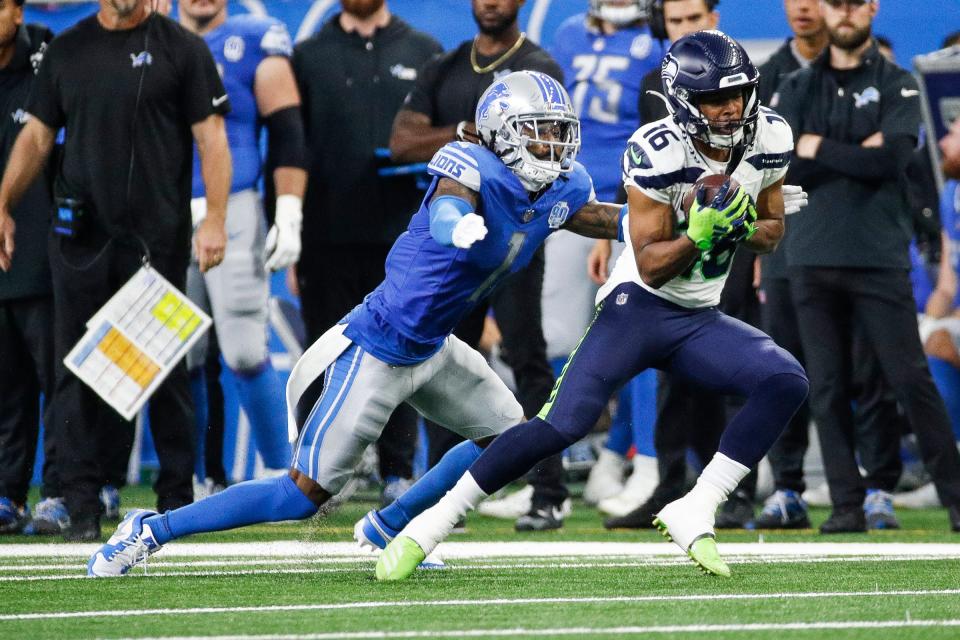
603 75
429 287
239 46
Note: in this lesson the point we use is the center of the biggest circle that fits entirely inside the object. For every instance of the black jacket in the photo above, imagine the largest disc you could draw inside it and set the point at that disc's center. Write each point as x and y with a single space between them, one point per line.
30 274
858 216
772 72
352 87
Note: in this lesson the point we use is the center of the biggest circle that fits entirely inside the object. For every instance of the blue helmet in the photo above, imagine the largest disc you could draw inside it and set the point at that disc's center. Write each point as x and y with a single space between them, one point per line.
710 62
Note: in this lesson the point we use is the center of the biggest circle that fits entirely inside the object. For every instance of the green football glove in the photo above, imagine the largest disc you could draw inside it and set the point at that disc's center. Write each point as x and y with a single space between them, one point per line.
745 226
708 222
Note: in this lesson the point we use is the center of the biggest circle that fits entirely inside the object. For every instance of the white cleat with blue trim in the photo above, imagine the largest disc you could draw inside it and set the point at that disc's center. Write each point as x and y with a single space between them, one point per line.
131 545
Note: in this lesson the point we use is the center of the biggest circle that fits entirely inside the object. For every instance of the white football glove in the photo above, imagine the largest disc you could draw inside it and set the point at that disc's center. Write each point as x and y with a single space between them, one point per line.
468 230
198 211
283 242
794 199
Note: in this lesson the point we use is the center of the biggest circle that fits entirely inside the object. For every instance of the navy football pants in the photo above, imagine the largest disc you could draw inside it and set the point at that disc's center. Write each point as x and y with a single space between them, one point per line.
635 330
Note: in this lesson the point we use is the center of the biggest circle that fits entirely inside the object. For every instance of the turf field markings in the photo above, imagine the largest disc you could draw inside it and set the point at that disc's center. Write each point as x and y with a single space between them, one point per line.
156 570
114 613
466 550
592 631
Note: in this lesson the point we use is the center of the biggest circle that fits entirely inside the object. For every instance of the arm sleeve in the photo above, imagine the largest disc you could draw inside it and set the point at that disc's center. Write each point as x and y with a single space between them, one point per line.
202 92
875 164
44 103
422 97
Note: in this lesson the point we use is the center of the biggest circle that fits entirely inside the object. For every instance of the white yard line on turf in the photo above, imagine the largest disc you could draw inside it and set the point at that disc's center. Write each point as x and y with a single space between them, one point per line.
153 571
461 550
115 613
592 631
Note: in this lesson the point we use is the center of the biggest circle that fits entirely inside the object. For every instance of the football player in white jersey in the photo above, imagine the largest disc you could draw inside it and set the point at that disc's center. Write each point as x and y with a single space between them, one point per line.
659 307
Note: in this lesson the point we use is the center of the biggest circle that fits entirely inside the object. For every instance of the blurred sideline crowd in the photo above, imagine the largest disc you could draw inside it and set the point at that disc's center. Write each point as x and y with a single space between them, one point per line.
350 116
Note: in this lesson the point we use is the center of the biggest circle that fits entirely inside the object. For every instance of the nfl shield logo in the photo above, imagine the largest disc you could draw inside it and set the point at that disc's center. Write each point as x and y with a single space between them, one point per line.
528 215
558 215
622 298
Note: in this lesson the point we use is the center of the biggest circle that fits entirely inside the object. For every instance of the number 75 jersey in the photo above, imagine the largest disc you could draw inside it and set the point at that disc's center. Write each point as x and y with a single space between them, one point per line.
661 161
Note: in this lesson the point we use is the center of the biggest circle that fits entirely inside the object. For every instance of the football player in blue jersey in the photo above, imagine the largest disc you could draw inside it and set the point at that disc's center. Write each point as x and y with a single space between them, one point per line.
252 54
488 209
658 309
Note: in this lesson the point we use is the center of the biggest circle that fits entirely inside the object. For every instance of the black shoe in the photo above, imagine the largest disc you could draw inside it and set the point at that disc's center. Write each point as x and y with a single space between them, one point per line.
543 517
640 518
955 518
846 520
83 529
736 512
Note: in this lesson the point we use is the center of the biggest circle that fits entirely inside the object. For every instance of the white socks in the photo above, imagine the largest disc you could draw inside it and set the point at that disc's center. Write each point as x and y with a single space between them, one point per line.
718 480
432 526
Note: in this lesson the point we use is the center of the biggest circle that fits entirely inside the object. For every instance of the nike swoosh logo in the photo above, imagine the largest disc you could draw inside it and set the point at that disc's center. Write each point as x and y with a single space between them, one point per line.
909 93
637 159
219 101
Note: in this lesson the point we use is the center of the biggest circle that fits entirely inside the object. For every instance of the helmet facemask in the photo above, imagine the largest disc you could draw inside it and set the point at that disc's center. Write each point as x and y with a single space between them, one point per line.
729 133
620 15
538 147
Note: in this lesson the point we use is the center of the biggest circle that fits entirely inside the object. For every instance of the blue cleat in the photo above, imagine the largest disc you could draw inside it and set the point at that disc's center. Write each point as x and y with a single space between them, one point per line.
131 545
110 499
373 534
878 510
784 509
50 518
13 517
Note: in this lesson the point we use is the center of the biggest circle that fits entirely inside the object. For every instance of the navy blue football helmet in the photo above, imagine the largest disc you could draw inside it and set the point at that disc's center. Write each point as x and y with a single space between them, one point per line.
704 63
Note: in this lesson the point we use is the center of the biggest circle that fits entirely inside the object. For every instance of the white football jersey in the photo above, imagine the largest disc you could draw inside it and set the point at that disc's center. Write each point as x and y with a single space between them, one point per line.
662 162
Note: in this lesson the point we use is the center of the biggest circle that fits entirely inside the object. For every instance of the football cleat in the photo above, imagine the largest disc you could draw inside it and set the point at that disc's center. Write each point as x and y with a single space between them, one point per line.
50 517
637 489
131 545
544 517
373 534
399 560
784 509
13 517
693 532
878 510
605 479
110 499
509 507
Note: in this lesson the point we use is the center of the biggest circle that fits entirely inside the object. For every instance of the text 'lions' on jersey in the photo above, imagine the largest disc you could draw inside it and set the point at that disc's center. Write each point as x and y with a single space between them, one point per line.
663 163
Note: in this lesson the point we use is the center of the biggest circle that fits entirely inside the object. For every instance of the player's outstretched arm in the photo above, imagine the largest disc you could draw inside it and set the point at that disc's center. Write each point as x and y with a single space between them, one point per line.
770 211
596 220
453 221
661 256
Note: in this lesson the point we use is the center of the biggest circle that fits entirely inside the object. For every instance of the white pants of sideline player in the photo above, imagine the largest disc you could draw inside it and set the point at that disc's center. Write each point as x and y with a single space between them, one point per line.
455 388
235 293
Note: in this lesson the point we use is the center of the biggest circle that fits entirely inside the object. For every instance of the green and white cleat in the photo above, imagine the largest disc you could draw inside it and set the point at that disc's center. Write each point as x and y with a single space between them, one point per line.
692 534
399 559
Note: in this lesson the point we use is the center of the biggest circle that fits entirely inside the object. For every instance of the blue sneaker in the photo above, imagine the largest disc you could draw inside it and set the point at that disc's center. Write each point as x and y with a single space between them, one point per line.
13 517
373 534
110 498
131 545
785 509
50 518
878 510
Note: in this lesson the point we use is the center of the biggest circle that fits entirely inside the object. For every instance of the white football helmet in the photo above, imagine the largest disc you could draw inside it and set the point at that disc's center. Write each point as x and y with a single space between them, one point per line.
620 12
527 119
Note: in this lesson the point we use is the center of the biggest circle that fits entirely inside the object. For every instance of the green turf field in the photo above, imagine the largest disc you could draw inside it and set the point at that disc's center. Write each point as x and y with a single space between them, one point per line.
310 583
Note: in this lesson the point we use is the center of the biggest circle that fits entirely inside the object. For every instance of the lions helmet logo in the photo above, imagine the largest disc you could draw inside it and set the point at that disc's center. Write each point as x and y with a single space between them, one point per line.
496 92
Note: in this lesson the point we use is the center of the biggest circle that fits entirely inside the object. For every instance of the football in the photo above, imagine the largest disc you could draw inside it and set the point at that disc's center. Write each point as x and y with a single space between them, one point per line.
712 184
